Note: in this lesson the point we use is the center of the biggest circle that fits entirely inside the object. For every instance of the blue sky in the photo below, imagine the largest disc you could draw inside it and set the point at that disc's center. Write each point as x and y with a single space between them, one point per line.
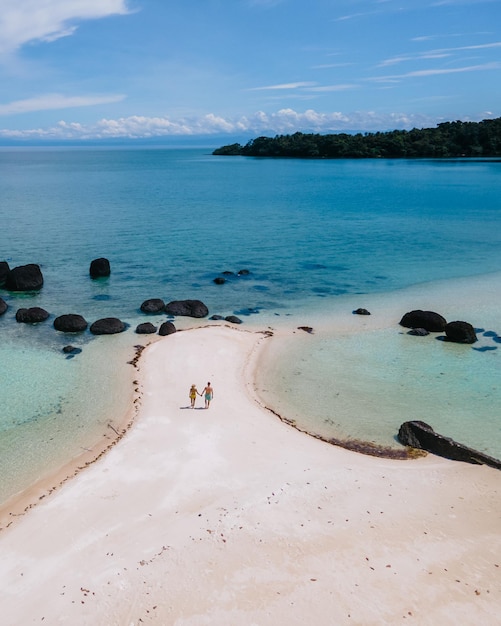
121 69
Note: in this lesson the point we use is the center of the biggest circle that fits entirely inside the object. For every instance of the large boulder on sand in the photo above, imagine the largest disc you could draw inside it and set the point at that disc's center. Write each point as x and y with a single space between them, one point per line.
24 278
167 328
153 305
189 308
33 315
99 268
70 323
107 326
429 320
460 332
147 328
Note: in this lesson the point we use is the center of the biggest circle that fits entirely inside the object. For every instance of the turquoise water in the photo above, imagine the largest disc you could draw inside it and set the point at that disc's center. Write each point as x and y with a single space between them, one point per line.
310 232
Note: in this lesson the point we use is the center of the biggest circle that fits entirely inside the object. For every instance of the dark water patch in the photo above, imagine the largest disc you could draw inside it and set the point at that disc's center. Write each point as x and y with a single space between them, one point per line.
102 297
488 333
248 311
260 288
314 266
485 348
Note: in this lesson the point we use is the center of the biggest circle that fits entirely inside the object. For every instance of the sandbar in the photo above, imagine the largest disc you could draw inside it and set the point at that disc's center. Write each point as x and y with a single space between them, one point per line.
229 516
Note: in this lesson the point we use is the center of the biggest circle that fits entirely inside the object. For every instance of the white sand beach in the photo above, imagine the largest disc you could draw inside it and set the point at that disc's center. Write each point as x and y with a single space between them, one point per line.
228 516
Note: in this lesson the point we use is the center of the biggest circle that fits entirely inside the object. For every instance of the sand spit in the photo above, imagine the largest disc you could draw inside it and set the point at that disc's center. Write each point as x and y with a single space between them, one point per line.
229 516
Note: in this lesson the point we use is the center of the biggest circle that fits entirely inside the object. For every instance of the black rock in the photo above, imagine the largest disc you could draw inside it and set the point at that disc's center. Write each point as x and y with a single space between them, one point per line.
3 306
147 328
460 332
153 305
361 312
107 326
33 315
228 273
189 308
233 319
420 435
243 272
219 280
70 323
99 268
71 350
307 329
24 278
167 328
216 317
429 320
4 270
419 332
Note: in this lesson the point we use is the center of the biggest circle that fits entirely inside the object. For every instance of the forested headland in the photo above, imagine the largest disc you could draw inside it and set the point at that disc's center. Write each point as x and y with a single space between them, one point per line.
447 140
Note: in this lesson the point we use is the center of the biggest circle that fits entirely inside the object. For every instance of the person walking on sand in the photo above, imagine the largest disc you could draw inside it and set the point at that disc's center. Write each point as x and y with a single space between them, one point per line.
193 395
208 394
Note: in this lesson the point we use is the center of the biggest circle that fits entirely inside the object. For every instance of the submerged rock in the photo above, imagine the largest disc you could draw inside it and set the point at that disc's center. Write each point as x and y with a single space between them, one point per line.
419 332
429 320
71 350
417 434
3 306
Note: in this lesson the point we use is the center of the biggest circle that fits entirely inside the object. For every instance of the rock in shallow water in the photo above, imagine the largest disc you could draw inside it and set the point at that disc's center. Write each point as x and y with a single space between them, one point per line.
107 326
429 320
460 332
33 315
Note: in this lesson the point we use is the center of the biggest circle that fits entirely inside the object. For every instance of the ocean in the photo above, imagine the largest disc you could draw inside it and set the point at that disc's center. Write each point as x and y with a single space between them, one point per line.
316 237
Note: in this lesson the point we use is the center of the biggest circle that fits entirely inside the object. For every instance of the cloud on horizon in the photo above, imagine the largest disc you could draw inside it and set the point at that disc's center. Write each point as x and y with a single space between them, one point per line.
283 121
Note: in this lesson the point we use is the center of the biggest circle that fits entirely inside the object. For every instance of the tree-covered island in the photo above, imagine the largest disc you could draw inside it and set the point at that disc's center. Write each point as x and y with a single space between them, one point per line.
447 140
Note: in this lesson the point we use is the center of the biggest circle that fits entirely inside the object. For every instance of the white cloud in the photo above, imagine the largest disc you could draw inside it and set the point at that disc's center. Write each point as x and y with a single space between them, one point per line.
283 86
282 121
55 101
25 21
328 88
438 72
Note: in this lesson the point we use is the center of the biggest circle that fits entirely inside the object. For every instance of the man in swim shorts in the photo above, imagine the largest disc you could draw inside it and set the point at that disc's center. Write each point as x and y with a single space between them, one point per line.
208 395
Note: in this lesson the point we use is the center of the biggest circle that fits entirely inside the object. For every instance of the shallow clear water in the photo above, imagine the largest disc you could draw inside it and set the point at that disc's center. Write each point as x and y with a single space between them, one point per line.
352 383
170 221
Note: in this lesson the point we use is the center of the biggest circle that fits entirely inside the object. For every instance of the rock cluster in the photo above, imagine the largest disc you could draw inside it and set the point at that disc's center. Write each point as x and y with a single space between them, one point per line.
422 323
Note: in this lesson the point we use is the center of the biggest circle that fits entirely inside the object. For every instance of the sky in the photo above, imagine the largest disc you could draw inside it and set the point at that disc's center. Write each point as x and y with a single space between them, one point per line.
98 70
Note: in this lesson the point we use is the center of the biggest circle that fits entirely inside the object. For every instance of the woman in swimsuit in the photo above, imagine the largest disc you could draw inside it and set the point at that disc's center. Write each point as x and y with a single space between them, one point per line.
193 394
209 394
